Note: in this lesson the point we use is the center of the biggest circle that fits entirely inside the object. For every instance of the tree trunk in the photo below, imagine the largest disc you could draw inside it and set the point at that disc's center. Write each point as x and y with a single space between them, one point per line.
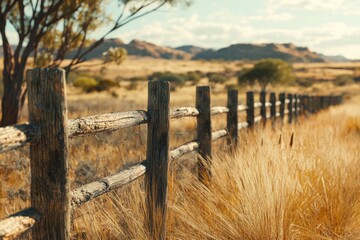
13 98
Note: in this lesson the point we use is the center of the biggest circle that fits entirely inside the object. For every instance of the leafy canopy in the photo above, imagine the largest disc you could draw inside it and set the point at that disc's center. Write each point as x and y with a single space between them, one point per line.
268 71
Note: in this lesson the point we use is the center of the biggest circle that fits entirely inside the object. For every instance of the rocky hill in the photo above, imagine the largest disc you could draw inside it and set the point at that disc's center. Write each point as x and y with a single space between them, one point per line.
192 49
138 48
253 52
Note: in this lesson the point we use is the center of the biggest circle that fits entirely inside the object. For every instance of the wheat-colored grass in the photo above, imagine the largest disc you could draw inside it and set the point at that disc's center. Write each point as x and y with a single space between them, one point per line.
266 190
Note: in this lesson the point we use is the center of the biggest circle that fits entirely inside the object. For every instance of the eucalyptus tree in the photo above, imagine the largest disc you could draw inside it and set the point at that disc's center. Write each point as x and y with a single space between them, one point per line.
48 30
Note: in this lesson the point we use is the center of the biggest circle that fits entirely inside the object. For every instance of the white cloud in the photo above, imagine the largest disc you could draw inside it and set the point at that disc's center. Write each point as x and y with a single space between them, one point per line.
308 4
217 34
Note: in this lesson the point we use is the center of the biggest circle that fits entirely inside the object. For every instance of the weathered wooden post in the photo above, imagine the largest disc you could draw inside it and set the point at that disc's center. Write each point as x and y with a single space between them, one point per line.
303 104
282 107
290 107
157 157
48 153
273 109
232 118
250 118
263 107
203 105
296 109
311 104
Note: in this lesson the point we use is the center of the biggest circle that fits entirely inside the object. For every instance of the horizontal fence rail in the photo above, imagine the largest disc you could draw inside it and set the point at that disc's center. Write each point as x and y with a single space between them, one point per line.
41 217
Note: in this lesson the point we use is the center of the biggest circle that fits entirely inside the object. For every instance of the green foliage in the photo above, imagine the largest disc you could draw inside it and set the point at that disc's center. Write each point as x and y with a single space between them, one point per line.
117 55
217 78
268 71
176 80
87 84
194 77
91 84
304 82
343 80
132 86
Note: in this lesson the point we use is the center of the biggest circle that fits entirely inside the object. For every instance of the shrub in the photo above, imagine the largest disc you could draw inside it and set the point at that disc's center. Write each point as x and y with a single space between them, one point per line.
304 82
343 80
268 71
106 84
132 86
216 78
194 77
87 84
176 80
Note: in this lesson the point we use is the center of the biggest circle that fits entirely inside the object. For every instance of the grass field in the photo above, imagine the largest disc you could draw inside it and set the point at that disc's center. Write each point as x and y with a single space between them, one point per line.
266 190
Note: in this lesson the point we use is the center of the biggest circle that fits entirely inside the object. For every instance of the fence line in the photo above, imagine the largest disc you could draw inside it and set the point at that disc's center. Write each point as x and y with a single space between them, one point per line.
49 129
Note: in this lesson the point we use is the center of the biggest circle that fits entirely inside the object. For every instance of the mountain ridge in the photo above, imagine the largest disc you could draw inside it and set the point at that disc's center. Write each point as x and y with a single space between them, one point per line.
240 51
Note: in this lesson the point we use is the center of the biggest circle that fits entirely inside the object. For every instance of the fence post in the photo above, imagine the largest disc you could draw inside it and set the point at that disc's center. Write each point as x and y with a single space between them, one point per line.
296 113
263 107
232 118
157 157
282 107
273 109
250 118
203 105
290 106
48 154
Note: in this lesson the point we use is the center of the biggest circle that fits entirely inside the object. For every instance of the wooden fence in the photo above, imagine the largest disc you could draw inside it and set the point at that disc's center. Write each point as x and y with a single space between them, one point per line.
48 131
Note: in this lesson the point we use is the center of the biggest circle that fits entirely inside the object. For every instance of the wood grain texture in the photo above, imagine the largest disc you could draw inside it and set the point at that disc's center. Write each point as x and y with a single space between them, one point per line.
157 157
203 104
218 134
250 118
282 107
94 189
15 136
296 108
18 224
273 109
242 108
105 122
48 153
242 125
232 118
263 107
184 149
182 112
290 107
219 110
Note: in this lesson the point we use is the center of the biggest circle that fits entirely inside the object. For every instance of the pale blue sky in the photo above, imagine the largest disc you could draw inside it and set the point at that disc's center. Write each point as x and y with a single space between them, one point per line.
328 26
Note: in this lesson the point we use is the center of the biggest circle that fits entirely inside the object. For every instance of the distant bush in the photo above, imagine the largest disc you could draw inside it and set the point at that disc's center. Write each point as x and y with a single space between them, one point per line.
132 86
194 77
231 86
106 84
268 71
138 79
87 84
304 82
343 80
176 80
91 84
217 78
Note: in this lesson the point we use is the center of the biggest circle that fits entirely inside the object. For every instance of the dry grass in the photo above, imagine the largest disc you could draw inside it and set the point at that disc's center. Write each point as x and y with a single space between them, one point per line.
266 190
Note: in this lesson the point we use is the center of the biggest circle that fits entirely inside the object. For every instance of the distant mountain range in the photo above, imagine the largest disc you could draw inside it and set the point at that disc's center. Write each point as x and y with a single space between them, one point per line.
252 52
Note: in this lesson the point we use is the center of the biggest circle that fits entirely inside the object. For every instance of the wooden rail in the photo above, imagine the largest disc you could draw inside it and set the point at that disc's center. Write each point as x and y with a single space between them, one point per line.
48 130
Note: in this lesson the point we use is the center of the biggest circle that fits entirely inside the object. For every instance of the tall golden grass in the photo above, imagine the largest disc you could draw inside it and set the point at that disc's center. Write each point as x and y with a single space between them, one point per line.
265 190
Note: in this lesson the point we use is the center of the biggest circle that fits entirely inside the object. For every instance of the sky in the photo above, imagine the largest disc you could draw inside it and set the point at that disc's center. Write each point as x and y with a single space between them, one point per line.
330 27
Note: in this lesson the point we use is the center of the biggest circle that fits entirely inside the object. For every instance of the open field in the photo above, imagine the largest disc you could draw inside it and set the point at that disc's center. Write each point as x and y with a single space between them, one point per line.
138 67
266 190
